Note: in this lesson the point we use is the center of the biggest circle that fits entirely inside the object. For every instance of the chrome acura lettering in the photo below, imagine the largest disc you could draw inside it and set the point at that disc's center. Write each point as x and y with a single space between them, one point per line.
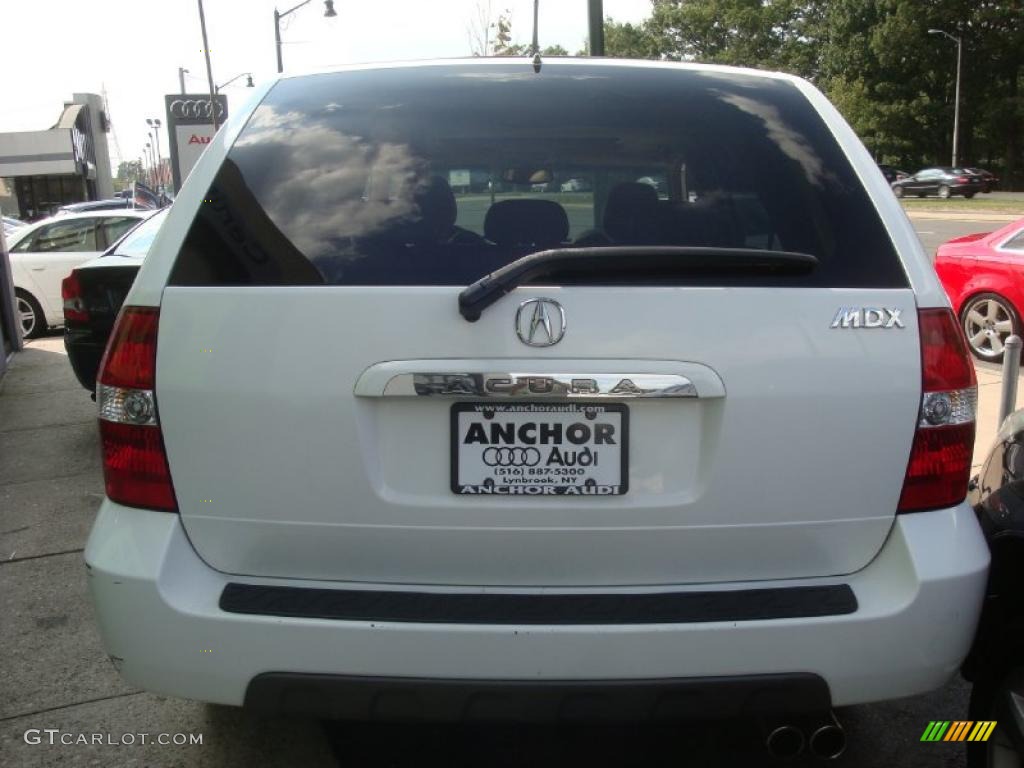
555 385
868 317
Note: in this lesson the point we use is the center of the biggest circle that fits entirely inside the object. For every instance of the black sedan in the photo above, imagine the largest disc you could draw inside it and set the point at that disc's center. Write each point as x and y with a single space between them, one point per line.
942 181
94 292
892 173
989 180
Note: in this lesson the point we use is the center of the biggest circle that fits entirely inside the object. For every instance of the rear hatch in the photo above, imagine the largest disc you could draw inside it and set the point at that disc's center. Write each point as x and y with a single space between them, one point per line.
329 414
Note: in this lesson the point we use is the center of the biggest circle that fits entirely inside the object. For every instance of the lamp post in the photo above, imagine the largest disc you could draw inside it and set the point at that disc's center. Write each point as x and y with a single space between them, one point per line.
329 13
956 102
149 159
181 79
209 69
154 124
596 24
152 144
248 83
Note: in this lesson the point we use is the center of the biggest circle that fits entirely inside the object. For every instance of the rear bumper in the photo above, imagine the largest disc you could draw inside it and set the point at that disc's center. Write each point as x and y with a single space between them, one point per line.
159 612
84 354
417 699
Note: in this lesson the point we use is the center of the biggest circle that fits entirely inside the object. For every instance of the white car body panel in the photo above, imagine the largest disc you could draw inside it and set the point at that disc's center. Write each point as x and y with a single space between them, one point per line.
918 603
389 515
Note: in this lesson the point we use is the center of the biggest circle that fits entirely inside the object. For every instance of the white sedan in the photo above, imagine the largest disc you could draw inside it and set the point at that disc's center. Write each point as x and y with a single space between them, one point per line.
44 253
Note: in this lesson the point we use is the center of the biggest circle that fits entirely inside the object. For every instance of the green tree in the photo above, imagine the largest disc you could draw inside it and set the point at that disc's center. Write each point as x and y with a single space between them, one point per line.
874 58
129 171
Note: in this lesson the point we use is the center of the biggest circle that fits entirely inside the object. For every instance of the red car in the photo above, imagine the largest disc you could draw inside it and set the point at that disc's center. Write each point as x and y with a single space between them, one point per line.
984 277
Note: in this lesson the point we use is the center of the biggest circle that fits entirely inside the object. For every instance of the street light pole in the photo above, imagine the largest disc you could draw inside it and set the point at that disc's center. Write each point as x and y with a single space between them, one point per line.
596 23
329 13
248 84
209 69
277 39
956 99
149 158
155 125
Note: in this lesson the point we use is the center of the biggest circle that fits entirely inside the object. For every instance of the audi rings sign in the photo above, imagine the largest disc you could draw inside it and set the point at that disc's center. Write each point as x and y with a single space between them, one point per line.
190 127
540 449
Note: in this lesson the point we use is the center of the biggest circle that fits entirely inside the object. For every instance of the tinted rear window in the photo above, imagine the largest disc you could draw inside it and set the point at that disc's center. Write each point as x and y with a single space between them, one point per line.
437 175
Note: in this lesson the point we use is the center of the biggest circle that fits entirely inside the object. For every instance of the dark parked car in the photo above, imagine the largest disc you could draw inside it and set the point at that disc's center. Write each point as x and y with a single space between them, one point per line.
989 180
892 173
94 292
996 662
942 181
95 205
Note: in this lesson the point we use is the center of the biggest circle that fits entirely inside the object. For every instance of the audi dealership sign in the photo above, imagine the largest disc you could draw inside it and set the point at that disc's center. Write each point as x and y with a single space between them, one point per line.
190 127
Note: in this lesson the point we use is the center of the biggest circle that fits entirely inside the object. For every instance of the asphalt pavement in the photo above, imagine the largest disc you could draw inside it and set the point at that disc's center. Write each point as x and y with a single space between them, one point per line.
54 675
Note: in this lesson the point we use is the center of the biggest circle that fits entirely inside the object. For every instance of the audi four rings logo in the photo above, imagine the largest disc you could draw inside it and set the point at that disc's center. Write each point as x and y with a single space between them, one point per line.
511 457
185 108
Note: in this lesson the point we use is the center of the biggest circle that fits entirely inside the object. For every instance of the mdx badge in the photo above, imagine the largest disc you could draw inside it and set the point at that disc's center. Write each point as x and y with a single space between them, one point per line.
540 322
867 317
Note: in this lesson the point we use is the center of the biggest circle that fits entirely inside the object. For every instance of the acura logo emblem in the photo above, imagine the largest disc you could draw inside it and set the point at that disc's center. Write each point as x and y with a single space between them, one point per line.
540 322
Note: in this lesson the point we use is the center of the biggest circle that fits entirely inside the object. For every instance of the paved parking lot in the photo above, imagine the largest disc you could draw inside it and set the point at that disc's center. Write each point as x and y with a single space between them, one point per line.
53 674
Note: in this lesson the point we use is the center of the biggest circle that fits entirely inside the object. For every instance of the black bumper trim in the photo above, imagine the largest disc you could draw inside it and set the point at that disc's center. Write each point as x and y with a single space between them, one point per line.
444 700
561 609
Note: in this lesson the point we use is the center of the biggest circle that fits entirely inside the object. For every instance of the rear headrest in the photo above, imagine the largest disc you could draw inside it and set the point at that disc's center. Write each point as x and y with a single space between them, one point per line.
436 203
631 212
536 223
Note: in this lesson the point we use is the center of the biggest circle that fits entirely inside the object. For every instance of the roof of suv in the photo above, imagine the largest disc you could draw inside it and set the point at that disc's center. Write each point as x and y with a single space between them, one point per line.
527 62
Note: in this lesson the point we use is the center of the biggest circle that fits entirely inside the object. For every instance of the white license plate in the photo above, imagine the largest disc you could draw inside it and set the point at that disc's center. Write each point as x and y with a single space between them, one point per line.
540 449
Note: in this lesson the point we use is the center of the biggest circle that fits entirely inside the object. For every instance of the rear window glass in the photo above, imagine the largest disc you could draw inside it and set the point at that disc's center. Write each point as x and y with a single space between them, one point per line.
438 175
138 241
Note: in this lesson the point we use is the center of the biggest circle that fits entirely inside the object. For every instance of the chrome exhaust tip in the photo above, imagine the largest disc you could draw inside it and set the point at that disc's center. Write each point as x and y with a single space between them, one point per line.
829 741
785 742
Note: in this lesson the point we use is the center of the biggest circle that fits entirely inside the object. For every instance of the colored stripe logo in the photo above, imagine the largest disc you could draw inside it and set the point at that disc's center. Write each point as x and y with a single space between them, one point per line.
958 730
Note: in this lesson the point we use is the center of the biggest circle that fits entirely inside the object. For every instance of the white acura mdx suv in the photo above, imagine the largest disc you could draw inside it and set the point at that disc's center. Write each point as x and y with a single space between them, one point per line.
397 425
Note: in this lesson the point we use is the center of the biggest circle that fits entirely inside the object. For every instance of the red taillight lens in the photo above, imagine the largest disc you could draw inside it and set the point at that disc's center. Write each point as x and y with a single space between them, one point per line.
130 357
940 466
135 466
945 363
134 458
940 458
963 180
75 311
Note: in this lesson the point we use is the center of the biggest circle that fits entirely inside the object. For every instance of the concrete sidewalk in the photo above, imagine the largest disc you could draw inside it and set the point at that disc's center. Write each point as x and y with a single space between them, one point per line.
990 382
53 673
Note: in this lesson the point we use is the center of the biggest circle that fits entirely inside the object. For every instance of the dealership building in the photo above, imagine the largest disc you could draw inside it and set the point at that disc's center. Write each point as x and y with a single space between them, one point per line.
68 163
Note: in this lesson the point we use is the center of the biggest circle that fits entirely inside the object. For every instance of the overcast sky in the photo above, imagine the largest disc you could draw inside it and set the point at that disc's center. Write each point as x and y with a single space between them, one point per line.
133 48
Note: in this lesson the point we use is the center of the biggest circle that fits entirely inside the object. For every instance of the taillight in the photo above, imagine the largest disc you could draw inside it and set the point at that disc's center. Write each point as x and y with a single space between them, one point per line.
963 180
940 458
134 459
75 311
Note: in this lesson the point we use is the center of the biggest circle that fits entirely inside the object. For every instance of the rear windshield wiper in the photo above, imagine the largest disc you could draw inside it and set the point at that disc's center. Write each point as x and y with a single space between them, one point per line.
628 260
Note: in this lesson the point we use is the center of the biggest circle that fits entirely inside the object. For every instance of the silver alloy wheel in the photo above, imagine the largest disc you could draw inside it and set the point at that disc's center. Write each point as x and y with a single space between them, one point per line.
987 324
28 317
944 192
